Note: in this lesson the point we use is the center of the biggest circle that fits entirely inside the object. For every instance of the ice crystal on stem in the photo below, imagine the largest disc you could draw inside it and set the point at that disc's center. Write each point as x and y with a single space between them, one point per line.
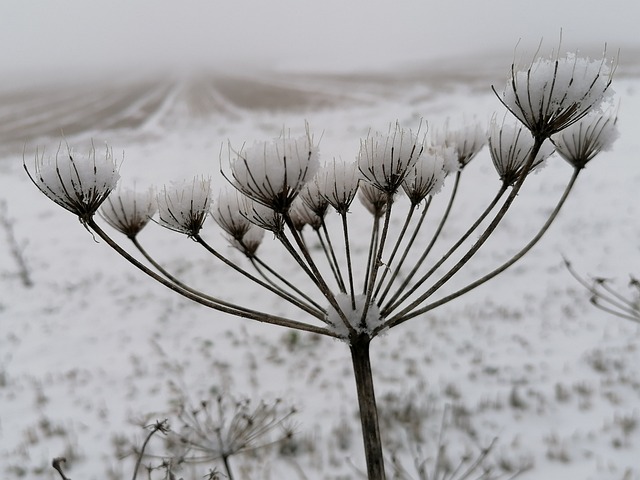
227 213
79 185
128 210
385 160
510 147
272 173
553 93
184 207
582 141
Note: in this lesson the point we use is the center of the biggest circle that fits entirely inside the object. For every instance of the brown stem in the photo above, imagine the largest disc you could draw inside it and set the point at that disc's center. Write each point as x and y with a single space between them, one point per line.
368 410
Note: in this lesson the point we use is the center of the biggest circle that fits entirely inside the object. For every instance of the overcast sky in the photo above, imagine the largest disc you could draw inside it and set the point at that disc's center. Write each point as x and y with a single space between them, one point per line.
44 36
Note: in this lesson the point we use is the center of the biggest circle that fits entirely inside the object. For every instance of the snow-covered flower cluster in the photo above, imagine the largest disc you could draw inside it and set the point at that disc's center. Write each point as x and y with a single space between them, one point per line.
427 176
553 93
353 316
273 172
184 206
128 210
582 141
466 141
79 185
338 183
510 147
385 159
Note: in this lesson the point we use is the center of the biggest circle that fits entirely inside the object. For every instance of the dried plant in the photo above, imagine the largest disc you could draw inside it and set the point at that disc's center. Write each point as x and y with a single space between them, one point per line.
547 97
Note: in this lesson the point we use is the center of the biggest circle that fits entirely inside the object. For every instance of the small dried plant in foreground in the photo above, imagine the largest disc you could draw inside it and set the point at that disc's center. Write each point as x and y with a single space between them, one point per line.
279 186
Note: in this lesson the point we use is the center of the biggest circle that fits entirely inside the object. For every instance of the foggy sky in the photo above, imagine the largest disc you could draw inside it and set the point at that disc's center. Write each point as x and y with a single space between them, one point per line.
48 37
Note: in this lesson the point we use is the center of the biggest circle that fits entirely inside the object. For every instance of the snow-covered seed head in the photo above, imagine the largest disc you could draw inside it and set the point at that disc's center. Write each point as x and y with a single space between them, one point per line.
184 207
273 172
250 241
373 199
510 147
310 194
553 93
228 214
301 214
79 185
582 141
262 216
128 210
428 174
385 159
466 142
354 317
338 183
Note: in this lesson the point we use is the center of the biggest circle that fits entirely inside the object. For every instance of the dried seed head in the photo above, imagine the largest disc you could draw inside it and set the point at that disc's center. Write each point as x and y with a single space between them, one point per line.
184 207
554 93
582 141
79 185
129 211
510 147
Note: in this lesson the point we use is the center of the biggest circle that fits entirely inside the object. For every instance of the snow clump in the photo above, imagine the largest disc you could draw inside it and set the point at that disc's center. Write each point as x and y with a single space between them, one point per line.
353 316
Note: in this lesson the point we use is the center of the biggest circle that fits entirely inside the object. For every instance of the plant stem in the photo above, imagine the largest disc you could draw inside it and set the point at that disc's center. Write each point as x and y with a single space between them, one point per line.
368 410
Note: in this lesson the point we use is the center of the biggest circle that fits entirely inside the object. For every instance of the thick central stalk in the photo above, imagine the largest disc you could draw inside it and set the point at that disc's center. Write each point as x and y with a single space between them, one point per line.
368 410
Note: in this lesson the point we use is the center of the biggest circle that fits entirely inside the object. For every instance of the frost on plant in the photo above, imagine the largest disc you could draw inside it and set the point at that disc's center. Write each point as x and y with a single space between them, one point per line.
77 184
128 210
385 160
354 316
466 141
553 93
337 184
510 146
582 141
184 206
273 172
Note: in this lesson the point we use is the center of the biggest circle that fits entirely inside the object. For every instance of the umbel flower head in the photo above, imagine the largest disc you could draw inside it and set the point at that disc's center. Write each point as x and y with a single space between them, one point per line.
338 183
228 214
466 142
428 174
553 93
184 207
129 211
79 185
582 141
272 173
385 160
510 147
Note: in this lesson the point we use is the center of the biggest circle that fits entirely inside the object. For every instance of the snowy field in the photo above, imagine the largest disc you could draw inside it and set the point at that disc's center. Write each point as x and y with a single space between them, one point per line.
93 347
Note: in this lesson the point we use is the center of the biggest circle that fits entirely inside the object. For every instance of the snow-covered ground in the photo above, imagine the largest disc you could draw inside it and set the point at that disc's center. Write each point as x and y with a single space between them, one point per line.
93 345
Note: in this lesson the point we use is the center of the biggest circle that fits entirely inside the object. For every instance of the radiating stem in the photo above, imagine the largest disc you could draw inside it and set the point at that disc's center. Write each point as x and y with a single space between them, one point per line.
407 221
404 316
347 248
373 248
427 250
277 291
259 264
485 235
210 302
337 272
407 249
389 308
